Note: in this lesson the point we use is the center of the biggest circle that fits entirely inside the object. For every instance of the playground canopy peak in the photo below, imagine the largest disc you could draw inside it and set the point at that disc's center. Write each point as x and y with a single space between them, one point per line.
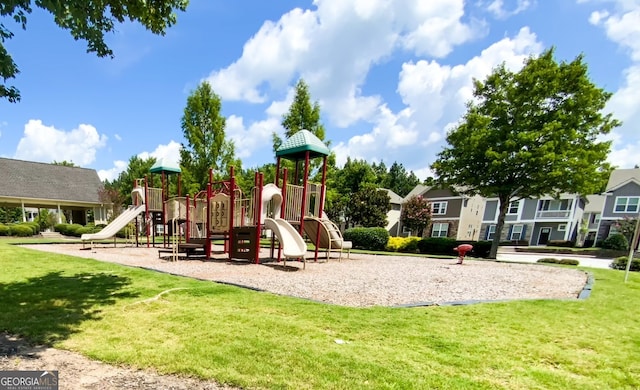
301 142
163 165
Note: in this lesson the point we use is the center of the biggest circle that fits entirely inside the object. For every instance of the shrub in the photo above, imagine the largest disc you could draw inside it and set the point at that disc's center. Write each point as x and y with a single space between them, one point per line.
616 242
34 226
514 243
481 249
437 245
569 262
61 228
84 230
549 260
20 230
4 230
561 243
125 231
375 238
621 263
403 244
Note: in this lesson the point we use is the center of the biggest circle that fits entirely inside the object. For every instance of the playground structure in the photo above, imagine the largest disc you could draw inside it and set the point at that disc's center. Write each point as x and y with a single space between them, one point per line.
289 208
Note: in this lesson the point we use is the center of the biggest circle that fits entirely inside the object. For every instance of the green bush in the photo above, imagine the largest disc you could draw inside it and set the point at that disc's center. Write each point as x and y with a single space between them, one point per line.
403 244
84 230
437 245
549 260
20 230
374 238
481 249
34 226
514 243
616 242
569 262
4 230
621 263
561 243
61 228
126 231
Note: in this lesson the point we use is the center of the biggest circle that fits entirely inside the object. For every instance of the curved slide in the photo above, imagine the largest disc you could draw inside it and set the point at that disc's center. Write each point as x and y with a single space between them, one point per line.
293 245
114 227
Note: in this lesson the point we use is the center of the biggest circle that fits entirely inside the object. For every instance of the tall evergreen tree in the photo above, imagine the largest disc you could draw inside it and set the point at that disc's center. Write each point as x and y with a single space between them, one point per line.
203 127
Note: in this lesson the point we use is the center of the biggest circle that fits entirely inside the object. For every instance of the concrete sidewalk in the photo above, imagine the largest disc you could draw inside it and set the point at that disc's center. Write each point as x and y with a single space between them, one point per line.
506 253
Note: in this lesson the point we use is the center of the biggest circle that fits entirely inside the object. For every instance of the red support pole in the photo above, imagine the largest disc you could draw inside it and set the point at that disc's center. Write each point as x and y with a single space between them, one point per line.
323 190
258 214
146 207
187 232
207 239
305 180
232 208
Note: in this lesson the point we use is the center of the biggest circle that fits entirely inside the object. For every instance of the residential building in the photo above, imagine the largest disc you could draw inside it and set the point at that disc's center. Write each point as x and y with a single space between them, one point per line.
452 214
393 216
591 220
622 200
536 221
28 184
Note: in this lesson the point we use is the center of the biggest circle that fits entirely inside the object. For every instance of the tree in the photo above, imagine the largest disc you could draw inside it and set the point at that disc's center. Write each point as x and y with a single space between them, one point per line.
529 133
626 226
344 183
302 115
85 21
416 214
400 181
10 214
138 168
64 163
369 207
207 147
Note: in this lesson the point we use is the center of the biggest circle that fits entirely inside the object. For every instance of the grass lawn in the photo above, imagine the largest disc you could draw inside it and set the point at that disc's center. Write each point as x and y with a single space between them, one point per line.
259 340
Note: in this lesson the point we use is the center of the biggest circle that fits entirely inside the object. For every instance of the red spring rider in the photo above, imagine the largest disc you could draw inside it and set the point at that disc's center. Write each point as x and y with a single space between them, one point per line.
462 250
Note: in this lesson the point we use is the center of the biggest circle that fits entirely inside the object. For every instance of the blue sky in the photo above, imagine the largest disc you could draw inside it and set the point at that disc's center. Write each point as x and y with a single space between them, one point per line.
390 76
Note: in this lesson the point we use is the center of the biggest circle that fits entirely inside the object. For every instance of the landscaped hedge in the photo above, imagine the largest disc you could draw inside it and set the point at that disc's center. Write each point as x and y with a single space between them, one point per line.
561 243
4 230
68 229
481 249
551 260
621 263
374 239
21 230
616 242
514 243
403 244
437 245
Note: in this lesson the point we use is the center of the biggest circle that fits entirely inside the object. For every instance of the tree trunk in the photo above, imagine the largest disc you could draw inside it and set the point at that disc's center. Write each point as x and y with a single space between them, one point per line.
503 206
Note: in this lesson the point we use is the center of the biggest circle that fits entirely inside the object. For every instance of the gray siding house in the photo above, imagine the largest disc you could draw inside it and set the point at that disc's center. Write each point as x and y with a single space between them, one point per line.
622 200
452 214
536 221
29 184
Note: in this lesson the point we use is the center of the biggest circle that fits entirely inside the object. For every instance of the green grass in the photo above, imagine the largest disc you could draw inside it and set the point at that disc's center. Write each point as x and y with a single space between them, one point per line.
259 340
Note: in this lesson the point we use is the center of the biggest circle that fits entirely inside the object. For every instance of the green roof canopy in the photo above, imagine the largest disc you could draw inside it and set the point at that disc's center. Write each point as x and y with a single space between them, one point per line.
162 165
301 142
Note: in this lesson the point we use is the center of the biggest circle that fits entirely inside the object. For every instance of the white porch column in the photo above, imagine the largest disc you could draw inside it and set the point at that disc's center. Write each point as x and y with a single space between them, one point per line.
59 215
24 214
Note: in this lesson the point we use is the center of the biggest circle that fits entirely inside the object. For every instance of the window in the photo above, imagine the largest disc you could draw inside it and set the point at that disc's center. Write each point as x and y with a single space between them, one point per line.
627 204
491 232
516 232
562 227
406 230
555 205
439 230
594 218
438 208
513 207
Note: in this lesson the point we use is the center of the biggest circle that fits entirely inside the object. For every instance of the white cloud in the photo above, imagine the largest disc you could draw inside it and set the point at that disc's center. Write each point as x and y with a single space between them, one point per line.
46 143
169 152
256 135
117 136
622 26
435 97
498 9
348 39
112 174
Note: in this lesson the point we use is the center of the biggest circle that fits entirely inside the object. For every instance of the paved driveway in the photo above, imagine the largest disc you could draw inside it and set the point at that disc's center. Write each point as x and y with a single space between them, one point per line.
508 254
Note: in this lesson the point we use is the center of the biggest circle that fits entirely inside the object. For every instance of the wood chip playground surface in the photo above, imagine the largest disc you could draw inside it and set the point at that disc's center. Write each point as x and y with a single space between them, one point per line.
361 280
